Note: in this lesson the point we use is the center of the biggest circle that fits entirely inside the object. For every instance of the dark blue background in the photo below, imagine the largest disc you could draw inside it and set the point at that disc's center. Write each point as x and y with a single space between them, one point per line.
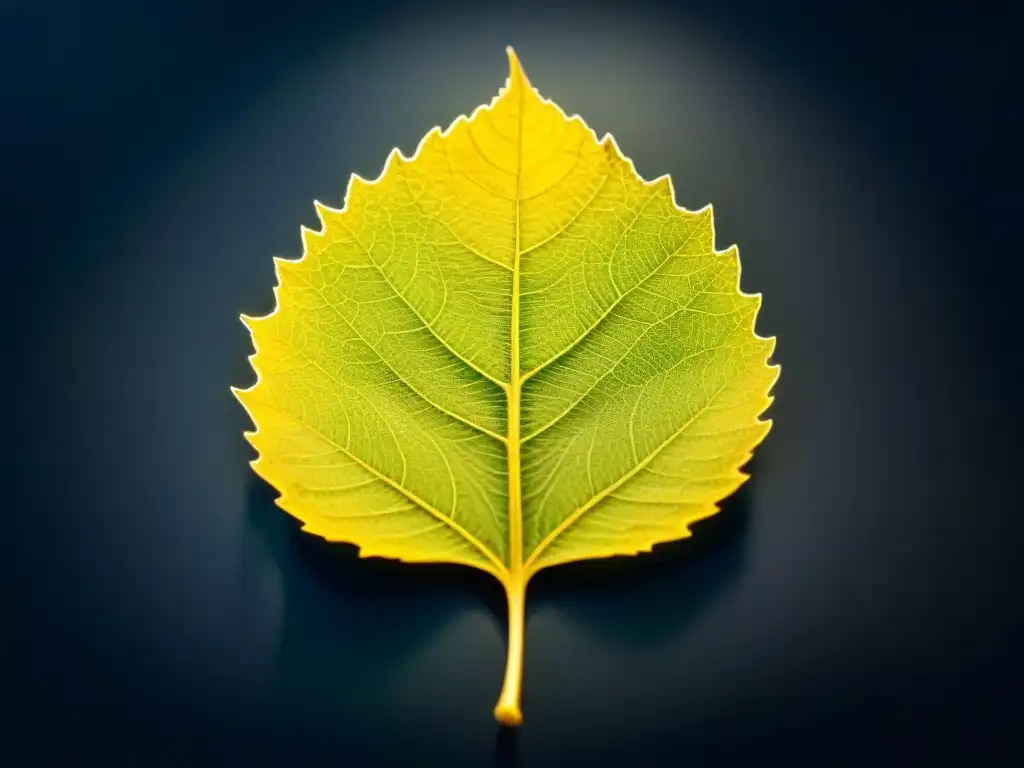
858 602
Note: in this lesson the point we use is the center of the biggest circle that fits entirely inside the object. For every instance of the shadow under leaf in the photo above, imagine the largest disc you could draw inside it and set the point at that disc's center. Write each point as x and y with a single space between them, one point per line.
344 619
647 598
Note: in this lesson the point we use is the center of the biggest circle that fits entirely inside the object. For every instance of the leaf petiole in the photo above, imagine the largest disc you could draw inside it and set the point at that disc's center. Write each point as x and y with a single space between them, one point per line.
507 711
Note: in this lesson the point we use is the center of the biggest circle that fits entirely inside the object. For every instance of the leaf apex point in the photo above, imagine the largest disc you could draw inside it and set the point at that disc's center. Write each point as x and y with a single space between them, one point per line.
515 68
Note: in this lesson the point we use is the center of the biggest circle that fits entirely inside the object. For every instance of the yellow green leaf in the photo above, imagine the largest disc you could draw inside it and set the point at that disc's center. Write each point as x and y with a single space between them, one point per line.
508 351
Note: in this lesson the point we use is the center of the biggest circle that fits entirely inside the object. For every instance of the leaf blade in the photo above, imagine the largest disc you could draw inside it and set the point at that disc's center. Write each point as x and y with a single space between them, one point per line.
508 351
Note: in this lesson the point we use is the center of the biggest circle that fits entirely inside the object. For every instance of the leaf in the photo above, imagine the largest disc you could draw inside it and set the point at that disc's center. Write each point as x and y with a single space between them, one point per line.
508 351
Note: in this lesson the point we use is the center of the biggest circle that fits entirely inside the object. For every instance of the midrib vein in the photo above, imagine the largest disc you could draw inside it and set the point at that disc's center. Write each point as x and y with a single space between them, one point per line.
515 501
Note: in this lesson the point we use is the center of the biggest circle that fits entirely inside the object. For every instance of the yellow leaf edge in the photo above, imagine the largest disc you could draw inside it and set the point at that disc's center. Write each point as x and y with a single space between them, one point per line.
507 711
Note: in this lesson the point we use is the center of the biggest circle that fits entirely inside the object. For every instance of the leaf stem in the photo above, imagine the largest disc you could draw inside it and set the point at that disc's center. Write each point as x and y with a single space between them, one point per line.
507 711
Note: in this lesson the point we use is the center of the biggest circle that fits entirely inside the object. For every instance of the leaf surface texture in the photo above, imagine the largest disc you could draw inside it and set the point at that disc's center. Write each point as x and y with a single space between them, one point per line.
508 351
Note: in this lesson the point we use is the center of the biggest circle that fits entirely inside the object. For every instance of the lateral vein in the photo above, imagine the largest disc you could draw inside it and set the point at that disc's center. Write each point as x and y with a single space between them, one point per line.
398 376
576 515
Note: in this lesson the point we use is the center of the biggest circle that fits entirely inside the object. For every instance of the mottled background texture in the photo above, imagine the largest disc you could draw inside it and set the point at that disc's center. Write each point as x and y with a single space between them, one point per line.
858 602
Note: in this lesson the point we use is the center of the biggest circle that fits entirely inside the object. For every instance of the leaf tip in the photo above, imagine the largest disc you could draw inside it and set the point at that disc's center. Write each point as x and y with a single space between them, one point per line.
515 69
